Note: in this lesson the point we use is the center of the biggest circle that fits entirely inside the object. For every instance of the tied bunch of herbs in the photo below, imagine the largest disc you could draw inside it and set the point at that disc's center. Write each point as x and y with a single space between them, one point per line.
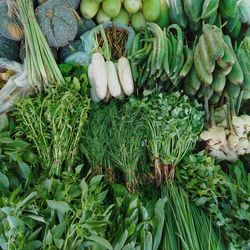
224 195
163 127
113 141
54 123
173 123
187 226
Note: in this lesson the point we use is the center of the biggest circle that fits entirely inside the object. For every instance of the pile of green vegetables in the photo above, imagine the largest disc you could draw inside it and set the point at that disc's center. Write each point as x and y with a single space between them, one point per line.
124 124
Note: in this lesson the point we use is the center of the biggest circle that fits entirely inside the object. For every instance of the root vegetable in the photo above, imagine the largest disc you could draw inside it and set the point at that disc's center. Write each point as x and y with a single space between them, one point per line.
113 81
125 76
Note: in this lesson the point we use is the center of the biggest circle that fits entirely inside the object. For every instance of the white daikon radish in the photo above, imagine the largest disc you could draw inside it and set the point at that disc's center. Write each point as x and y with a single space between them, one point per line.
125 76
108 96
98 69
93 95
91 75
113 81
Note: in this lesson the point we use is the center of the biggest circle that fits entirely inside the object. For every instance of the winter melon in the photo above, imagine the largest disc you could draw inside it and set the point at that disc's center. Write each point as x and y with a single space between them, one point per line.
111 7
123 17
151 10
102 17
89 8
132 6
138 21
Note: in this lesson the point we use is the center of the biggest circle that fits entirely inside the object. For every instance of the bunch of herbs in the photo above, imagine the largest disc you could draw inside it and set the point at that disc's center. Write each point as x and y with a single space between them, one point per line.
54 124
173 123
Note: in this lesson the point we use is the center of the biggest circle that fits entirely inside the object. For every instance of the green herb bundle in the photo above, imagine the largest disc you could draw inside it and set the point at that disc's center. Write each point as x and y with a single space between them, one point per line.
187 227
225 197
54 124
113 140
173 124
41 65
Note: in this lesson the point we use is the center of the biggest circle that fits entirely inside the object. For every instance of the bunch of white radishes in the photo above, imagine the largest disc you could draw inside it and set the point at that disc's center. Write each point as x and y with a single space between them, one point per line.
109 79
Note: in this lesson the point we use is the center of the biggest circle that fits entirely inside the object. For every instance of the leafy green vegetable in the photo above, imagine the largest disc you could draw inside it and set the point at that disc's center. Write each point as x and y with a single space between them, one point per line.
172 123
54 124
16 159
225 197
187 227
113 140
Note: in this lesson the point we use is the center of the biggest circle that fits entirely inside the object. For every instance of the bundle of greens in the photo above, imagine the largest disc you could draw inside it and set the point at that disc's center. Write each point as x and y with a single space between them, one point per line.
113 140
186 226
66 213
173 124
54 124
97 138
225 197
75 212
41 65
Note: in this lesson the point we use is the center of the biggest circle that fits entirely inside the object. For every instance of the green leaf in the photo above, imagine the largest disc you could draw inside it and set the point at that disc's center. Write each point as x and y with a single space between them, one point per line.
129 246
96 180
84 187
35 244
101 241
148 241
16 223
36 218
59 230
60 206
26 200
4 181
65 68
16 145
158 220
120 240
4 123
49 238
25 171
201 201
59 243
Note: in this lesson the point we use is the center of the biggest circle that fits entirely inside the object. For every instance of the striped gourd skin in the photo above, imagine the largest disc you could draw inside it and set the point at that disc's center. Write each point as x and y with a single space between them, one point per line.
58 23
9 25
9 49
74 4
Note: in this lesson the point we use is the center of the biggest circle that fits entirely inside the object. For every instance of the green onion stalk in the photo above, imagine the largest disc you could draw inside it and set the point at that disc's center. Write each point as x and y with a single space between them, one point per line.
41 65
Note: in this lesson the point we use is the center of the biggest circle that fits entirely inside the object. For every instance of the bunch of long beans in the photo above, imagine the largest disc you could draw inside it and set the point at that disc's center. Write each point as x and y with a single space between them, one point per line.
41 65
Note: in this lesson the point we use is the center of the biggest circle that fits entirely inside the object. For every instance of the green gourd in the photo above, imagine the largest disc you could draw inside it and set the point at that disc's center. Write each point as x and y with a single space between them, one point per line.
58 23
9 25
9 49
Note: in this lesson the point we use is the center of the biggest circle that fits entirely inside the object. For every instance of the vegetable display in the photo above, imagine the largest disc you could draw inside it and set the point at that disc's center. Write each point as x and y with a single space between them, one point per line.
124 124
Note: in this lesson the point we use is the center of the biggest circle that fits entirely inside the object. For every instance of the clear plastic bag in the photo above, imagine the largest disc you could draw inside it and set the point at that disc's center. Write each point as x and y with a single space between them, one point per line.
16 87
83 57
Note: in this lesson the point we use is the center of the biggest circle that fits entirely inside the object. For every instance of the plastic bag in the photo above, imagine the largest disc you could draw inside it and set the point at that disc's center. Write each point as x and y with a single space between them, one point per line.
16 87
88 42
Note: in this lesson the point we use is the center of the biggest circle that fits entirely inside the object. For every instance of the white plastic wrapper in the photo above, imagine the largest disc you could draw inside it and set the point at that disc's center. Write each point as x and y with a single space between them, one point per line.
16 87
